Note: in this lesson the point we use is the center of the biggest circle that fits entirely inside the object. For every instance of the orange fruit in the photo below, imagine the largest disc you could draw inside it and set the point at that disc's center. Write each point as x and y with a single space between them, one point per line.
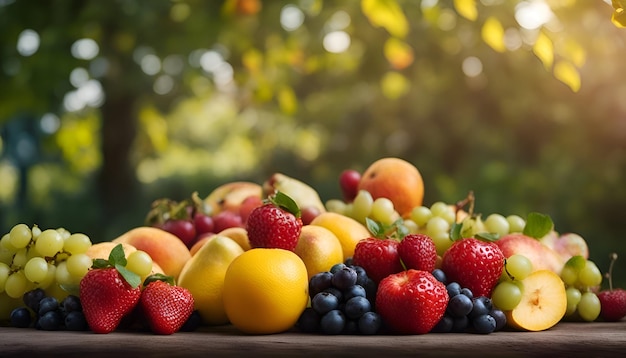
397 180
265 290
318 248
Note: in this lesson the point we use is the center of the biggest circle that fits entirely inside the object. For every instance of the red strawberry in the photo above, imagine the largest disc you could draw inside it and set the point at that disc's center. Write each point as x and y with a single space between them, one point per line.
418 252
165 306
612 301
108 292
411 302
474 264
379 257
275 224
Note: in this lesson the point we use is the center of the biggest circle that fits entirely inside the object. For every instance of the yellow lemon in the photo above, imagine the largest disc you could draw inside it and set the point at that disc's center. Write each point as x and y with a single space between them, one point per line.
348 231
265 290
203 275
318 248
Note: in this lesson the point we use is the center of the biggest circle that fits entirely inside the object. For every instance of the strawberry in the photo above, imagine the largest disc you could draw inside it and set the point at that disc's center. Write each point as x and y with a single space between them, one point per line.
165 306
108 292
418 251
379 257
474 264
275 224
612 301
411 302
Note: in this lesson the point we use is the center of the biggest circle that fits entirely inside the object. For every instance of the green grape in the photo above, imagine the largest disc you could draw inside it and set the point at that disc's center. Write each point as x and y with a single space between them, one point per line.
449 216
506 295
77 244
516 223
64 233
442 241
519 266
20 236
16 284
569 275
78 265
590 275
20 258
50 278
589 306
497 224
382 210
62 275
36 230
49 243
6 244
336 206
436 225
362 205
139 262
6 256
410 225
420 215
439 208
5 270
36 269
573 298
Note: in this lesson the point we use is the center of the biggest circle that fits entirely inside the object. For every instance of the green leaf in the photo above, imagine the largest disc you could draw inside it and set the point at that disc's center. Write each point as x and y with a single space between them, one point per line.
159 277
132 278
375 228
286 203
538 225
455 231
100 263
117 256
577 262
488 236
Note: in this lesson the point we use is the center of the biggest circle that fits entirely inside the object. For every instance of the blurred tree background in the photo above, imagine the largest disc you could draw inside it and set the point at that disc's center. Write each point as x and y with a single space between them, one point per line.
108 105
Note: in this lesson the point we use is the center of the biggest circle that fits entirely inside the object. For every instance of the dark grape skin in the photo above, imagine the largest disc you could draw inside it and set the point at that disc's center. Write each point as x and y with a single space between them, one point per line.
354 291
50 321
481 305
357 307
484 324
309 321
440 276
500 318
333 322
75 321
444 325
369 323
47 304
32 298
319 282
71 303
324 302
460 306
454 288
21 318
344 278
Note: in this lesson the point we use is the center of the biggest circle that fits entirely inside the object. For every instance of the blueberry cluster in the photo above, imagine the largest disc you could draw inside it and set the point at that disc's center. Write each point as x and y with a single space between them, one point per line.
342 302
466 313
48 314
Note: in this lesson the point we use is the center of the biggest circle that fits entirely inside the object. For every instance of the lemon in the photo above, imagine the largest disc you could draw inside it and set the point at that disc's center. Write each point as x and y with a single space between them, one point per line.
348 231
265 290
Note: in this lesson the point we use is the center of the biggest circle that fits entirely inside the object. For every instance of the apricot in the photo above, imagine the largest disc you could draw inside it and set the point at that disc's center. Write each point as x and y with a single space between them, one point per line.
394 179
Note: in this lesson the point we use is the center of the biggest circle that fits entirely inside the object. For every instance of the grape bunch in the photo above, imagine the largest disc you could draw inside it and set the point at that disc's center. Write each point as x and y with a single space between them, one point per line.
342 302
54 260
47 313
466 313
507 293
364 206
582 278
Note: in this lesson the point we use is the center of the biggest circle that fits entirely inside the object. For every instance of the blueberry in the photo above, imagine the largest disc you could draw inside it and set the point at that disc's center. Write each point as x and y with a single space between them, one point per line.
31 298
484 324
354 291
454 288
50 321
337 267
71 303
500 318
344 278
482 305
48 304
440 275
361 275
467 292
324 302
357 306
20 317
309 321
335 292
75 321
333 322
319 282
370 323
460 324
192 323
351 327
370 289
444 325
459 306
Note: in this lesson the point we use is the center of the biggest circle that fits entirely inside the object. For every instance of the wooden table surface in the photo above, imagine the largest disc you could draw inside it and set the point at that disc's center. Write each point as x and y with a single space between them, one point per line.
566 339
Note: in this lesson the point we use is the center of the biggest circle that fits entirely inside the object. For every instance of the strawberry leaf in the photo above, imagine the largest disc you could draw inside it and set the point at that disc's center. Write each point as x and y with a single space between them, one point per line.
286 203
159 277
375 228
117 256
100 263
488 236
538 225
132 278
455 231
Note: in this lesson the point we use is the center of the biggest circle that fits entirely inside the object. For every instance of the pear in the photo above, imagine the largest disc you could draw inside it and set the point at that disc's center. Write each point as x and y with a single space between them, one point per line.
302 193
203 275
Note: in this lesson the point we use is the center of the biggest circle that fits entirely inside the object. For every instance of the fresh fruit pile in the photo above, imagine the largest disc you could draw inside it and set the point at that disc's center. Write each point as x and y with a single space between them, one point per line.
271 257
342 302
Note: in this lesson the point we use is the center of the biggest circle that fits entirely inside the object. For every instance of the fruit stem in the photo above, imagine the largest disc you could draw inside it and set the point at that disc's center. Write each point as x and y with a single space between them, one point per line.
609 274
468 200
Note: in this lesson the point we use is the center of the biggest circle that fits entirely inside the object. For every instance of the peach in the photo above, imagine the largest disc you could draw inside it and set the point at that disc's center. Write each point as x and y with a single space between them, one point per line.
101 250
397 180
230 196
166 249
541 256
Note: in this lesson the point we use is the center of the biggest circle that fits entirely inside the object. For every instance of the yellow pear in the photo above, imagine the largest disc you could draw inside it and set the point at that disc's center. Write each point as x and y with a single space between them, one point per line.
348 231
319 249
203 275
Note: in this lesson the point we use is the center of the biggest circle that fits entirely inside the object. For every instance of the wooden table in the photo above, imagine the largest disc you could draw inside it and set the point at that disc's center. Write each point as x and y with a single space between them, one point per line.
567 339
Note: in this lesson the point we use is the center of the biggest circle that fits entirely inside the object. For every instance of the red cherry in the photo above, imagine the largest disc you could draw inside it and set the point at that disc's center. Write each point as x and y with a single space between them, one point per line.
308 214
349 183
183 229
203 223
225 219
